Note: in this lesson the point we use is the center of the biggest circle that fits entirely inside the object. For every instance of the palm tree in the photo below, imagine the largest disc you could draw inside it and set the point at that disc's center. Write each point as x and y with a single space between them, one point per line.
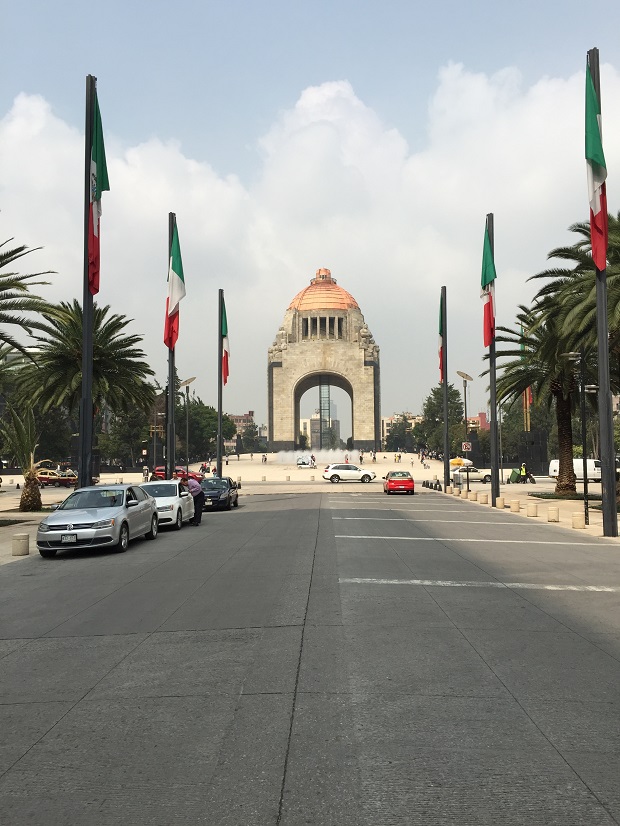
15 298
21 436
119 372
535 352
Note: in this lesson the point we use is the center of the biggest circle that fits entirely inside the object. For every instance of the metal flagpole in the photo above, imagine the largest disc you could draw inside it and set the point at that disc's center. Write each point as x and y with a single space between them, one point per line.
220 353
444 373
493 394
170 430
86 403
608 453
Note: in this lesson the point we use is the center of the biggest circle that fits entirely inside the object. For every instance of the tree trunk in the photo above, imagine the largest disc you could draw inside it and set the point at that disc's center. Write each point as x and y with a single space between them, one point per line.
30 499
566 475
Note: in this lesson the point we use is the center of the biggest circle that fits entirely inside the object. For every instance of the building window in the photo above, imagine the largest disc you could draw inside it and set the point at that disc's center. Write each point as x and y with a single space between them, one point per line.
304 328
313 328
340 328
322 327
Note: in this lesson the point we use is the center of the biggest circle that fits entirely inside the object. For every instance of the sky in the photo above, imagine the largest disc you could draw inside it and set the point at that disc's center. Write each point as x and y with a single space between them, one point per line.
371 138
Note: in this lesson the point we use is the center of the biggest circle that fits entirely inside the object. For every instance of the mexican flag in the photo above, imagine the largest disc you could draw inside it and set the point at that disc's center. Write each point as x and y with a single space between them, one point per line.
98 184
440 348
176 291
488 290
225 344
597 171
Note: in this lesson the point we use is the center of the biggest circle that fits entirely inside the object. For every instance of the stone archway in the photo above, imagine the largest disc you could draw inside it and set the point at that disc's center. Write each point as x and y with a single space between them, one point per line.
323 335
321 380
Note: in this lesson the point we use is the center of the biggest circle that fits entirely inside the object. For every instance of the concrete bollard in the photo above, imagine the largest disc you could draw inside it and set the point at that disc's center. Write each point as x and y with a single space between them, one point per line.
312 478
579 519
500 503
449 489
473 495
20 544
553 514
263 478
435 478
238 478
456 491
515 506
483 498
531 509
288 478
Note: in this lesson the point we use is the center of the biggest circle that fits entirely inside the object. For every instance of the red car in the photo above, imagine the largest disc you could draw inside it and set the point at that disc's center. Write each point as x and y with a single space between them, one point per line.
160 472
399 481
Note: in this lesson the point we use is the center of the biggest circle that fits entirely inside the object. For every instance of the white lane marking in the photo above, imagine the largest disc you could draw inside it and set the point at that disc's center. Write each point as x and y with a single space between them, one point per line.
441 521
447 583
460 539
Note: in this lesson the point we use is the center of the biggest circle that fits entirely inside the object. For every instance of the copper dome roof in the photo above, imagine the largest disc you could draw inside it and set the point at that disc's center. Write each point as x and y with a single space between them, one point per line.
323 294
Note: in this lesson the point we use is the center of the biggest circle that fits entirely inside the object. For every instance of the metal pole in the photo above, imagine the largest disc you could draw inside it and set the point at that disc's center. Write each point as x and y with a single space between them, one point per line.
493 390
86 404
154 438
586 511
444 373
170 430
220 352
187 430
465 411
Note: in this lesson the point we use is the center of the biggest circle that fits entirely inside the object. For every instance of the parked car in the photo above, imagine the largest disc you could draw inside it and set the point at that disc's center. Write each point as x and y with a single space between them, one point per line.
160 472
348 473
398 481
174 504
220 492
459 476
47 477
305 461
102 516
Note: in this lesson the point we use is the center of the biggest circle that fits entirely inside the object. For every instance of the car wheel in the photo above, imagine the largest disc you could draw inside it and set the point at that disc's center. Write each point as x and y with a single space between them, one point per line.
123 539
56 484
335 478
236 503
179 521
365 478
486 479
47 553
411 492
152 534
227 506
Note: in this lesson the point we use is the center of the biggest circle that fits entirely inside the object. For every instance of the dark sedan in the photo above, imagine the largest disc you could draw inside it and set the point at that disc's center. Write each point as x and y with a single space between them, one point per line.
220 493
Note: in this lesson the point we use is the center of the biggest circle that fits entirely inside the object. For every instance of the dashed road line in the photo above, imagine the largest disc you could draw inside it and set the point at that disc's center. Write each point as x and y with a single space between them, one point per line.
447 583
463 539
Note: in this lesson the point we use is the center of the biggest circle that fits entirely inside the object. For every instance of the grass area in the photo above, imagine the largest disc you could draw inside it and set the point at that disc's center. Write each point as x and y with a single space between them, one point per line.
5 523
592 497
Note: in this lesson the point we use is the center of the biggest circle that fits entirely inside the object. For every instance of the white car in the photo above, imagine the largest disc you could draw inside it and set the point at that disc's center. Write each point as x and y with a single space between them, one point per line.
348 473
174 503
459 476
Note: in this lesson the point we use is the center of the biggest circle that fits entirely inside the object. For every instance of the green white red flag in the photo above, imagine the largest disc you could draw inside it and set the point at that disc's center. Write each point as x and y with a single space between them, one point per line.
176 291
225 343
440 348
597 169
98 184
487 292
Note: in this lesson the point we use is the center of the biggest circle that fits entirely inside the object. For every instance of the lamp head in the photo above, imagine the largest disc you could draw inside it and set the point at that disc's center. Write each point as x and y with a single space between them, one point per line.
464 376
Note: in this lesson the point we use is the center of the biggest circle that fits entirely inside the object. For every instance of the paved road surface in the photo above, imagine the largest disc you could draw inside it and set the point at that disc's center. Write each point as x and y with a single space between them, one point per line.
330 658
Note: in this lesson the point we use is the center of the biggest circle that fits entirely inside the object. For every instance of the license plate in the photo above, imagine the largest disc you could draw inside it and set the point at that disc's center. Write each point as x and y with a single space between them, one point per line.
208 502
68 538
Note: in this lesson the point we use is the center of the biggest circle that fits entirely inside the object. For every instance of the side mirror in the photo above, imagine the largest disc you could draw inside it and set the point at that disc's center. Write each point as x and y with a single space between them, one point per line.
132 503
184 493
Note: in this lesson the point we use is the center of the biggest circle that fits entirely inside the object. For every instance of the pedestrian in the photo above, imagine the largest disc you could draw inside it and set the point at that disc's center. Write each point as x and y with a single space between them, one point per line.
251 457
312 461
523 473
226 458
198 496
145 474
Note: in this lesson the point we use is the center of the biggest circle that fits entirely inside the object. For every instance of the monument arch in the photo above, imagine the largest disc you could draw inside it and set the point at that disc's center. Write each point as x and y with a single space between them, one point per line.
323 341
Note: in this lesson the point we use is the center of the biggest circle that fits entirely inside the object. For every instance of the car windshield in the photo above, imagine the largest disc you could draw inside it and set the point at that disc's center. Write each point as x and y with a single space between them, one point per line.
106 498
214 484
399 474
163 489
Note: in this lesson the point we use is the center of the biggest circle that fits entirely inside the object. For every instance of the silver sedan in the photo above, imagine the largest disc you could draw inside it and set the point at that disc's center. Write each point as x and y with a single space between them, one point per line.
99 516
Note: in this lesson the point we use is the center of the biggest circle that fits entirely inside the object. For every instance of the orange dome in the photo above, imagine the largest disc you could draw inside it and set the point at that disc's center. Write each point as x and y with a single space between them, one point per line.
323 294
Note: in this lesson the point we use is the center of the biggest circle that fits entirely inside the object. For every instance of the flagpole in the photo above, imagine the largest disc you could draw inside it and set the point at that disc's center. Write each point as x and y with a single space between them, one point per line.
608 453
170 434
220 354
444 374
86 403
493 391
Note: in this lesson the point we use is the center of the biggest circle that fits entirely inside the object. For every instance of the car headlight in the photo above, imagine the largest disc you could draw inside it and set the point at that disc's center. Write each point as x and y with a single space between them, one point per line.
43 527
165 508
104 523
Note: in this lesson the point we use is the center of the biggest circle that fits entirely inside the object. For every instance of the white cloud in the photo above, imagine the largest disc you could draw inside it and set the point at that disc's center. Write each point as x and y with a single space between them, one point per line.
336 188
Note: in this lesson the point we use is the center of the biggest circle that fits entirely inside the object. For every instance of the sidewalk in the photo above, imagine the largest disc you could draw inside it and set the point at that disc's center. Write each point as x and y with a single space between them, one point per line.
284 477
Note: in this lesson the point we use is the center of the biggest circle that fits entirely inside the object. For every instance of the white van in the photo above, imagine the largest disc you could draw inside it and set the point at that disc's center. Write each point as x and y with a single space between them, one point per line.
593 468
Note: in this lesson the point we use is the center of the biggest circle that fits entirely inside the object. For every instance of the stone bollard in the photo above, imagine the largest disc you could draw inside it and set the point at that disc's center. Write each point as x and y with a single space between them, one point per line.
435 478
449 489
483 498
456 491
579 519
531 509
515 506
263 478
500 503
473 495
20 544
553 514
288 478
312 478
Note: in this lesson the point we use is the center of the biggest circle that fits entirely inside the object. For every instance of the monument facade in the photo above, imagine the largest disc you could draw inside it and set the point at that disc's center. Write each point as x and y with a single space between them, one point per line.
323 342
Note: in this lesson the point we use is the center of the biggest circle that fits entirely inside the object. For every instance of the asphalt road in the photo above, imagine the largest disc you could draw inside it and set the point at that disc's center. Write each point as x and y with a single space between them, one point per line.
330 658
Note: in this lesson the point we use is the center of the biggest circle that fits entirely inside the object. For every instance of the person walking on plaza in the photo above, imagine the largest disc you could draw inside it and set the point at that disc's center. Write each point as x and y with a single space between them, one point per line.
523 473
198 496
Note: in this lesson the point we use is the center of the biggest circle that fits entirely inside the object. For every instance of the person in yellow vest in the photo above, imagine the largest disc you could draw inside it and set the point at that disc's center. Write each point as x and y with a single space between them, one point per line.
523 473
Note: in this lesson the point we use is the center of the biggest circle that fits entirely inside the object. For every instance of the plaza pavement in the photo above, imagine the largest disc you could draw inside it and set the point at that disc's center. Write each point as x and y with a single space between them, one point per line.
277 476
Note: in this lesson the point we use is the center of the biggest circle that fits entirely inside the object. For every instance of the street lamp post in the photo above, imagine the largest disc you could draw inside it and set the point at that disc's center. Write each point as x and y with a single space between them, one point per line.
155 415
583 389
186 385
466 377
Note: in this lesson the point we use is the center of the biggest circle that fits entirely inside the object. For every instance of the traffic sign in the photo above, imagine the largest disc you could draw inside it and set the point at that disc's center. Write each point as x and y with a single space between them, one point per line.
466 447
